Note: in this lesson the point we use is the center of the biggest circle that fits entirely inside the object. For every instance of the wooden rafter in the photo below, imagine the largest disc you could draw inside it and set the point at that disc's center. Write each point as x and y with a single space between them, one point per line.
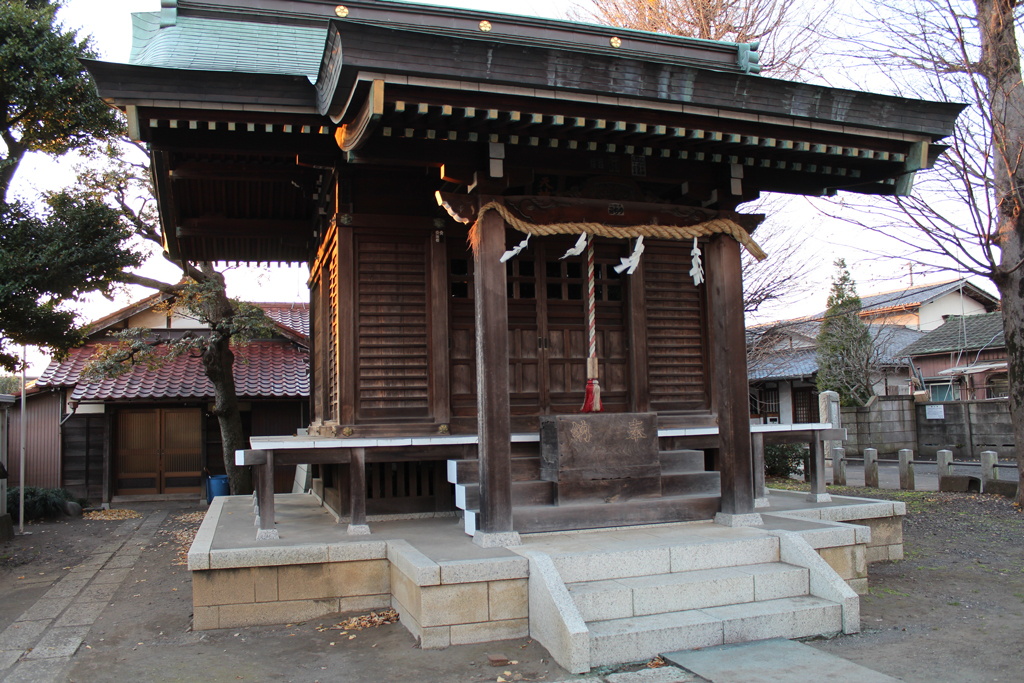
354 135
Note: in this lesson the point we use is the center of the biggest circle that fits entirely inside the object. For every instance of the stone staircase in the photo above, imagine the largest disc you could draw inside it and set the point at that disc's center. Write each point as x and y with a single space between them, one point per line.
637 603
687 493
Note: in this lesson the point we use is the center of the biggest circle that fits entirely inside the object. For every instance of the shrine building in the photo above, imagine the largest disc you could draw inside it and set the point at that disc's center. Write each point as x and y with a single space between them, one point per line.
525 241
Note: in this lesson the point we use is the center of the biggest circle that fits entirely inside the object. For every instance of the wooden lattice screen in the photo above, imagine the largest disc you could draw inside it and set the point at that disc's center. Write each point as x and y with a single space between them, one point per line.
676 347
392 319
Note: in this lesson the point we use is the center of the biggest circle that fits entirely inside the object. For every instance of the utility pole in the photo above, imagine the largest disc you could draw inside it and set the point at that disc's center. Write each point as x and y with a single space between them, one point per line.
21 462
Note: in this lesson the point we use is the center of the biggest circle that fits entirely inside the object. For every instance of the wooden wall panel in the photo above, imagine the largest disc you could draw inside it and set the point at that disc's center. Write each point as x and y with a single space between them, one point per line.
84 440
42 447
676 339
392 334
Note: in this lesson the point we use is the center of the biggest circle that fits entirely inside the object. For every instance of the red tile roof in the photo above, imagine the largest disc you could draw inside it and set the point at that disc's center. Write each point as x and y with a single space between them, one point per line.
293 316
263 369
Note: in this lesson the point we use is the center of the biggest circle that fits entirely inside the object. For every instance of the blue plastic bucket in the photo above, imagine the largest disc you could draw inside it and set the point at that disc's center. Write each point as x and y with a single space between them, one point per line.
217 485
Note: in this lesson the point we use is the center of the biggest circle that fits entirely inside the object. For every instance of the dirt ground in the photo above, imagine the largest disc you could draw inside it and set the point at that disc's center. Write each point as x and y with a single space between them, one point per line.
953 610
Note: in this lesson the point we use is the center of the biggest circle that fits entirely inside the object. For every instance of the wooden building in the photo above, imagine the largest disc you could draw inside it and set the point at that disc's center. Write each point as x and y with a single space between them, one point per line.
372 140
150 432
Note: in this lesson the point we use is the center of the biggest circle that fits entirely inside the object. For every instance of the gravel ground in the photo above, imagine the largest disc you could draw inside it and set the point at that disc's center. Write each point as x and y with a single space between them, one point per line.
952 611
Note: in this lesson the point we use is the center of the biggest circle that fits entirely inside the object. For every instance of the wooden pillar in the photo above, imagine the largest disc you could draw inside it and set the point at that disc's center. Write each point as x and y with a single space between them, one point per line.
440 386
493 427
640 393
357 491
729 360
265 498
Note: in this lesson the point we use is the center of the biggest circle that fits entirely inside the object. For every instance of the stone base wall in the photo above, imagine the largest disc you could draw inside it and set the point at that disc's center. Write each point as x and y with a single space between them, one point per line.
249 596
886 539
442 604
850 562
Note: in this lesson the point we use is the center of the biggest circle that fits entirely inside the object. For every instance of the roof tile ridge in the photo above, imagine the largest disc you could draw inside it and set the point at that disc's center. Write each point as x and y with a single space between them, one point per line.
913 289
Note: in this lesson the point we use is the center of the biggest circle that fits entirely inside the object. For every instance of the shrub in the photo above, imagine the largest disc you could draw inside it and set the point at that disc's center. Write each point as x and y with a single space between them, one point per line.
40 503
783 461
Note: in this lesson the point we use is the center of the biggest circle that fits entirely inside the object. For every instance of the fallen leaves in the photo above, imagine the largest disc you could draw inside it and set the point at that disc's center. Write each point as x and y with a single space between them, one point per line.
657 663
112 514
371 620
183 535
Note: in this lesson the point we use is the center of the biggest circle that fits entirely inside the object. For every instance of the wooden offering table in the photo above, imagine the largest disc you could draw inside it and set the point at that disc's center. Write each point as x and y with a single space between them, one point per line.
598 456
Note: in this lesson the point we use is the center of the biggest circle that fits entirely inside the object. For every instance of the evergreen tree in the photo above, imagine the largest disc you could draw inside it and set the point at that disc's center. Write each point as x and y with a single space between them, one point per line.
75 245
844 343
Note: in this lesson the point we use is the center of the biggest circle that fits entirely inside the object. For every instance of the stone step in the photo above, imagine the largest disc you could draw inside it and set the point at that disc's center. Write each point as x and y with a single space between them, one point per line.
523 493
675 592
468 471
651 561
679 461
687 483
541 518
637 638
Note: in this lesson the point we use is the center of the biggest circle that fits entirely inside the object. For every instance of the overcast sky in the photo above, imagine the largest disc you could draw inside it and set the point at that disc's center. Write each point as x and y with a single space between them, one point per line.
109 23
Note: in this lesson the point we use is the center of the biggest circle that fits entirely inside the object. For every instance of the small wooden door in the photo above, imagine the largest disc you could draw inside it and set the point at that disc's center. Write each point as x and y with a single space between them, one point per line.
159 450
547 328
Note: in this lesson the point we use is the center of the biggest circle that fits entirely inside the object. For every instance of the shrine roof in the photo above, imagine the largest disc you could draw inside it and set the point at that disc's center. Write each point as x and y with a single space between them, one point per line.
207 44
304 38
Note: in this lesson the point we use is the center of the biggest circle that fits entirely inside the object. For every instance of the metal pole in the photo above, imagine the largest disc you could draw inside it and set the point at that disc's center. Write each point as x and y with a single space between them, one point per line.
21 463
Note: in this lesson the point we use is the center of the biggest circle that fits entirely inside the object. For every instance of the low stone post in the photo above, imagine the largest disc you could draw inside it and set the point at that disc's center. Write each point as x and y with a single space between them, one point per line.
757 451
871 468
839 467
907 469
989 471
944 462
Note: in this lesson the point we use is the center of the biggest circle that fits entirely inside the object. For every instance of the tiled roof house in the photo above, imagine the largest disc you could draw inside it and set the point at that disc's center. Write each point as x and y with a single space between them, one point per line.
964 358
782 356
150 431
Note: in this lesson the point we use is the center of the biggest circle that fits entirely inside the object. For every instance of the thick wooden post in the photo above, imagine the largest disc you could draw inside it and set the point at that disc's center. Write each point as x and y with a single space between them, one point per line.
493 425
357 492
265 499
729 358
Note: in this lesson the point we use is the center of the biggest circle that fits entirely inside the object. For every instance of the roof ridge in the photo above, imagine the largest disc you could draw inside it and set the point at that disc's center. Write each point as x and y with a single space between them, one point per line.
912 288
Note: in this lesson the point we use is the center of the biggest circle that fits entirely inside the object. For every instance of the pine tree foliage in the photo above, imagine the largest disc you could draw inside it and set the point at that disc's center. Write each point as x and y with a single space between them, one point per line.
47 100
845 348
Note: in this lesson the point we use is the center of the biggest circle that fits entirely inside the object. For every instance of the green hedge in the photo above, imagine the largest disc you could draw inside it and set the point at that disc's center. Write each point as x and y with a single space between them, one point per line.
783 461
40 503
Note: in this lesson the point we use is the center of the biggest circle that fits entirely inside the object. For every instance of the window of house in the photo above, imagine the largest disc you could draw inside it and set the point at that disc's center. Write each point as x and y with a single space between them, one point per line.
805 405
997 386
947 391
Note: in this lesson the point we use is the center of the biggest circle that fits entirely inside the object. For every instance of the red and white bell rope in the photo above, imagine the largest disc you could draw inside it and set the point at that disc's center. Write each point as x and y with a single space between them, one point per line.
592 401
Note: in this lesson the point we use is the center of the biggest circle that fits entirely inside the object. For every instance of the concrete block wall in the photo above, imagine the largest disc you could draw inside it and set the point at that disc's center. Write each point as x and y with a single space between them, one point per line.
459 602
247 596
442 604
886 542
887 423
967 428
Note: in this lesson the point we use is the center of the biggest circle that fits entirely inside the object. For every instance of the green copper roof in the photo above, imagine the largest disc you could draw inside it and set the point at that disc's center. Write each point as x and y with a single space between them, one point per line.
215 45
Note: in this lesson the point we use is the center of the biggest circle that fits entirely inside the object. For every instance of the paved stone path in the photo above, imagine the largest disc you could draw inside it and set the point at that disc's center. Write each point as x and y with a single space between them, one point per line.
40 643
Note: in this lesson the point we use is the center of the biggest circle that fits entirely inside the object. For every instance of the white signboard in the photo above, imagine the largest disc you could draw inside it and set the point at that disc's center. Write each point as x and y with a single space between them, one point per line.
935 412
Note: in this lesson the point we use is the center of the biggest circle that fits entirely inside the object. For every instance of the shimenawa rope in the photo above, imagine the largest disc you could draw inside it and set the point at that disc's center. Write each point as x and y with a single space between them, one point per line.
723 226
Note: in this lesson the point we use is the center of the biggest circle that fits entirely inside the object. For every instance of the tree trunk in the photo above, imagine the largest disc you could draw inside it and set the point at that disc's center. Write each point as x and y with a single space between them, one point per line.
1000 66
9 165
218 360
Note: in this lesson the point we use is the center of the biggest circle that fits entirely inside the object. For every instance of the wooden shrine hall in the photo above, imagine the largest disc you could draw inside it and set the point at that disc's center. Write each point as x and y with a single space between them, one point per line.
504 218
